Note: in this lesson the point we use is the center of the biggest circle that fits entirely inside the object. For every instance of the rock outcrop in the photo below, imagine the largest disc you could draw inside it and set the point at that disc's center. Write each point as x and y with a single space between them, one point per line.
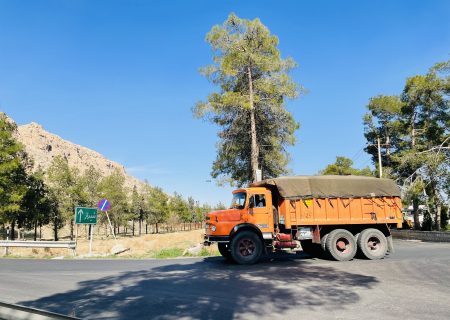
43 146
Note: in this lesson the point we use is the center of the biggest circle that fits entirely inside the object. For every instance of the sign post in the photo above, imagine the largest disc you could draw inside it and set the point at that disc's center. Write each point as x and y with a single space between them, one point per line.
86 216
104 205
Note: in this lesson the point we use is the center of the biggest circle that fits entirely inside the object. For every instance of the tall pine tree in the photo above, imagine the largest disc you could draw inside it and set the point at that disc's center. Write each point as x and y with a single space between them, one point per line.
250 106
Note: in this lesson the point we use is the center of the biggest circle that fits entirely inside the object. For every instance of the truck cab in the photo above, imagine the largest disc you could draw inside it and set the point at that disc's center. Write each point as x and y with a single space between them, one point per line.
251 211
248 206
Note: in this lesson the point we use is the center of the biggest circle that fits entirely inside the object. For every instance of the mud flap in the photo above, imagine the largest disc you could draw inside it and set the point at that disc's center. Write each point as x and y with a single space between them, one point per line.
390 244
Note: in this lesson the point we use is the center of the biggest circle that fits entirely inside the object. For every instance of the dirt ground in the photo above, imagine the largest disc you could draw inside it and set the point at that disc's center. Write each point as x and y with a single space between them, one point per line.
145 246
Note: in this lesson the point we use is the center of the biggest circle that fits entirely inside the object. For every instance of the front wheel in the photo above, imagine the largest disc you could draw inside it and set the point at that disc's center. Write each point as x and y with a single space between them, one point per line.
246 248
224 249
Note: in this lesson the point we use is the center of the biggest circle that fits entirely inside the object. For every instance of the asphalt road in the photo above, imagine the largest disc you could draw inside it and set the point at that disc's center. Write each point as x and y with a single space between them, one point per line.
413 283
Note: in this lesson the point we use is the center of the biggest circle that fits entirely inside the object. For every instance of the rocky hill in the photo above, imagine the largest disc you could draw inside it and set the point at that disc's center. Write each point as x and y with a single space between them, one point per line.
42 146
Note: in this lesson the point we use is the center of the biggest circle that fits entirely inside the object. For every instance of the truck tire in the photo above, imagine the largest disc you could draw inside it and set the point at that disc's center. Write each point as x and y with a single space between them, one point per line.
224 249
341 245
373 244
323 242
246 247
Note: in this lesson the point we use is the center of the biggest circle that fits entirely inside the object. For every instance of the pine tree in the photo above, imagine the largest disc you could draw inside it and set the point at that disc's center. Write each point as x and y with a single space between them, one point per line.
12 173
415 129
250 107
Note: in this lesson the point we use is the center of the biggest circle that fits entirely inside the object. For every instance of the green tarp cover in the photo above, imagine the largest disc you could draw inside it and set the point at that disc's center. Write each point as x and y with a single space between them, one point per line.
306 187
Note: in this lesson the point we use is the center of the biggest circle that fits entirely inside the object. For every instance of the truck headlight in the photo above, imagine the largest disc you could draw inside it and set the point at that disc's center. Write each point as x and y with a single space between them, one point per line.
213 228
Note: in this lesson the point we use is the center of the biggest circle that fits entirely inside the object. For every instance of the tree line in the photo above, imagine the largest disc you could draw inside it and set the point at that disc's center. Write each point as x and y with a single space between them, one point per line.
32 199
414 132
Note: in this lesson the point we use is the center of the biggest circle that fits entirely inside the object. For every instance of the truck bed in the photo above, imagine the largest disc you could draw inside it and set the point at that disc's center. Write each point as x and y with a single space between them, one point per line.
332 211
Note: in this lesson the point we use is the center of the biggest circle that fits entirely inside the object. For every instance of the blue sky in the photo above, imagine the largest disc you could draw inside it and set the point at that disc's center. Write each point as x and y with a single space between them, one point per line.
120 77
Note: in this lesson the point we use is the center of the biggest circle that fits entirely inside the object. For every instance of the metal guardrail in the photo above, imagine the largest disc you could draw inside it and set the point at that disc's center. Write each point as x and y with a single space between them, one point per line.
11 311
39 244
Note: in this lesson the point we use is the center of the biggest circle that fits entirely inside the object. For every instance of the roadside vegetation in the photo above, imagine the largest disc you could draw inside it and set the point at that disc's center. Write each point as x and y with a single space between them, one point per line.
151 246
412 130
31 201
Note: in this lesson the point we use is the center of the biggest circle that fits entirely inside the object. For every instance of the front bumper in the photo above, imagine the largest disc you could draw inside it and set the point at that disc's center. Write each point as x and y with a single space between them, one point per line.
211 239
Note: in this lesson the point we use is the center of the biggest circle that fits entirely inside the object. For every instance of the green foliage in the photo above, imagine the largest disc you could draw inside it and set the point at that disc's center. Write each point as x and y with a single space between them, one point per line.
27 201
195 210
414 129
167 253
38 204
12 172
67 188
158 206
89 184
112 187
250 106
137 206
179 208
343 167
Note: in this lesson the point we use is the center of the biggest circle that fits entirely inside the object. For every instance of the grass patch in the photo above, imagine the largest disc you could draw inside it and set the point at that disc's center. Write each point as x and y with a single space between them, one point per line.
167 253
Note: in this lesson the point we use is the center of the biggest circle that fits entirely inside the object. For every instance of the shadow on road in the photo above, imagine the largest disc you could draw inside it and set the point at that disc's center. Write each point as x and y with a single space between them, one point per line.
211 289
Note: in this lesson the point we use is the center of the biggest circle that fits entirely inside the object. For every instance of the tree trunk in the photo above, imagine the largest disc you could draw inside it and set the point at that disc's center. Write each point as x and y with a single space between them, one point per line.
13 225
55 228
388 149
40 230
132 228
254 144
35 230
416 214
140 226
146 228
71 229
438 217
156 226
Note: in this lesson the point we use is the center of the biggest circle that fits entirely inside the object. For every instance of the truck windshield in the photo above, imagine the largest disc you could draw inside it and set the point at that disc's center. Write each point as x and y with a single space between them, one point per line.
238 201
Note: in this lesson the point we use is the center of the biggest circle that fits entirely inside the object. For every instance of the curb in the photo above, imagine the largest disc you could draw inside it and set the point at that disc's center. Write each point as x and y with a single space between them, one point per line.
432 236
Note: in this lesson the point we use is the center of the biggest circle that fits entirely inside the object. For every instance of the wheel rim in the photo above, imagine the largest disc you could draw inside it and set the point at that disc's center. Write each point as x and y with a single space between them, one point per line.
343 245
246 247
374 244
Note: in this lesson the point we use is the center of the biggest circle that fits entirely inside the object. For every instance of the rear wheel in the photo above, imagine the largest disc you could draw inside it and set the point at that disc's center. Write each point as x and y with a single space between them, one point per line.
341 245
372 243
246 247
224 249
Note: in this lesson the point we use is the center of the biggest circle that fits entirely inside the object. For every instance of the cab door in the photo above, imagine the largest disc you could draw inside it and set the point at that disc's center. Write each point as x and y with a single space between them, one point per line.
260 211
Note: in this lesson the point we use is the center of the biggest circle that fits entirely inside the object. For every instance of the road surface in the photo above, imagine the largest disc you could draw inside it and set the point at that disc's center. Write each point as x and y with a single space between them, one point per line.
413 283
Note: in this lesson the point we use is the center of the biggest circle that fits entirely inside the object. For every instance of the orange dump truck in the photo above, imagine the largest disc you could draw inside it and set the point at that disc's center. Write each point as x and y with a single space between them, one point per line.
334 214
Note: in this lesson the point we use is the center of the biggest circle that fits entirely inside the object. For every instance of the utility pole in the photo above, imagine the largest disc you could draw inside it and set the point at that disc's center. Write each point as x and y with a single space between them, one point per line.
380 166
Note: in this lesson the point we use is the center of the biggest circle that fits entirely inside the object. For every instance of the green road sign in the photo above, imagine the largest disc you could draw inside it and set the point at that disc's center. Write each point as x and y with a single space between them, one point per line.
85 215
